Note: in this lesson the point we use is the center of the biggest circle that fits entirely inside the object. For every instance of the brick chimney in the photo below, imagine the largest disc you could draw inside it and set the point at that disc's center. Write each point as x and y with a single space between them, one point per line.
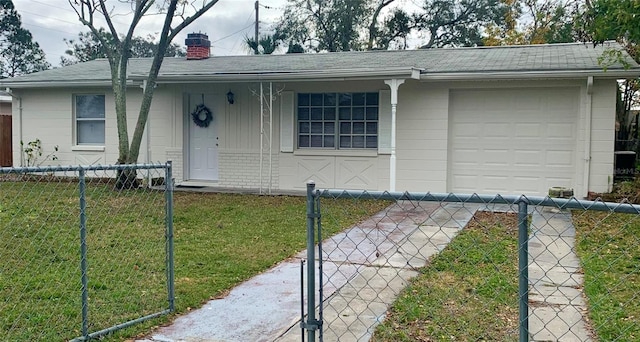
198 46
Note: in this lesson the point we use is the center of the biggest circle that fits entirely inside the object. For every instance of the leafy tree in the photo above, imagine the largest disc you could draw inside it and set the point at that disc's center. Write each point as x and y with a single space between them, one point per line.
506 32
266 45
19 54
618 20
118 50
394 29
88 48
345 25
613 20
320 25
535 22
456 23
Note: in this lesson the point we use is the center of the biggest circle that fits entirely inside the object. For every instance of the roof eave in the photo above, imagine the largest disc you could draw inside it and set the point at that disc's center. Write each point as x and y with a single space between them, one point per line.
60 84
302 76
546 74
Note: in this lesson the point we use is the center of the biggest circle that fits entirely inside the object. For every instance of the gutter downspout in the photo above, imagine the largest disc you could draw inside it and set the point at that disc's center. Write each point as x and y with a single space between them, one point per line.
261 137
393 84
587 139
8 91
270 136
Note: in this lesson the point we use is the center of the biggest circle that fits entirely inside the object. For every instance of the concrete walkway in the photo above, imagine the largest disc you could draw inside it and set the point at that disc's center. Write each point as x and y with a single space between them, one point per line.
366 267
557 304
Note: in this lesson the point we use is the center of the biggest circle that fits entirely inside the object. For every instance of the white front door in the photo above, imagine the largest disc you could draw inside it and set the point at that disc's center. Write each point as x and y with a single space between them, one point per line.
203 141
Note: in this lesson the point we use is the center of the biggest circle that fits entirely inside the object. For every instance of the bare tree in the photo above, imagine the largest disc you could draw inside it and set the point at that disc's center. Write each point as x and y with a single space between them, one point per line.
117 50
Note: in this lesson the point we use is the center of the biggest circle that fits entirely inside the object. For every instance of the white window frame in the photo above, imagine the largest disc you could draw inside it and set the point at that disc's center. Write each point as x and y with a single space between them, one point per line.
304 122
77 119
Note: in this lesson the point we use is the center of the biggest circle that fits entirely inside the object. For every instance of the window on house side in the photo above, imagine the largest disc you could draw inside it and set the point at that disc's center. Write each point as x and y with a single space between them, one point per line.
89 116
337 120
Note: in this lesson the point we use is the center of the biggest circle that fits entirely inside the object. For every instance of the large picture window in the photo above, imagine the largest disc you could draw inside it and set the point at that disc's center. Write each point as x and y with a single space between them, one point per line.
338 120
89 116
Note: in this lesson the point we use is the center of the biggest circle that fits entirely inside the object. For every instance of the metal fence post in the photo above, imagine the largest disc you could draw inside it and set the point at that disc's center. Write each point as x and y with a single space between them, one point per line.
83 252
523 268
320 271
168 188
311 325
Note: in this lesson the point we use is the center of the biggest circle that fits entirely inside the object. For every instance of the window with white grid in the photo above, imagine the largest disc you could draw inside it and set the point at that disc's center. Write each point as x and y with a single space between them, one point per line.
337 120
89 115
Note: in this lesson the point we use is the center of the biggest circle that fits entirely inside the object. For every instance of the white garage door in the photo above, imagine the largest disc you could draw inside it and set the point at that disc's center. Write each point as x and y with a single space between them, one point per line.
513 141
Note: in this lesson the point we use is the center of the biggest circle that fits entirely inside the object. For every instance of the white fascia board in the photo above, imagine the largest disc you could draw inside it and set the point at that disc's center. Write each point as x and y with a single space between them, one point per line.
60 84
459 76
314 75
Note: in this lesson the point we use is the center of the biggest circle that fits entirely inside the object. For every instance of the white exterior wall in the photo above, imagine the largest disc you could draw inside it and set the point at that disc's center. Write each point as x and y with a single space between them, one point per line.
422 134
5 105
342 169
603 135
48 116
238 130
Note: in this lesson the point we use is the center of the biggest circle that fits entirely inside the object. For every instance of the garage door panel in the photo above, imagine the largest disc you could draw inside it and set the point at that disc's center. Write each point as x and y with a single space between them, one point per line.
559 158
466 183
466 156
526 158
496 158
496 130
463 130
558 181
527 185
524 147
528 130
560 130
495 184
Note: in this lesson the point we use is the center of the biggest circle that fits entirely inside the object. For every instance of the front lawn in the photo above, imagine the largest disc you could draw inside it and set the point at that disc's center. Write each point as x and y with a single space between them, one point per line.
609 249
220 241
468 292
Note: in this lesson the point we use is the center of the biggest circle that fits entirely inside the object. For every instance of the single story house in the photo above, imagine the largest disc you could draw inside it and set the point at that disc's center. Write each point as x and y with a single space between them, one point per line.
507 120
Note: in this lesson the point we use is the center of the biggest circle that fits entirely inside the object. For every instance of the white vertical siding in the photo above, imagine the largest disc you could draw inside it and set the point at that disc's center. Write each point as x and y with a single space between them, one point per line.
287 122
384 123
422 137
603 135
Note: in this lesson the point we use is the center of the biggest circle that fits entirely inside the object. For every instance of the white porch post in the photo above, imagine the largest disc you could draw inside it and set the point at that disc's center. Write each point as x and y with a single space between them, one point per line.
393 84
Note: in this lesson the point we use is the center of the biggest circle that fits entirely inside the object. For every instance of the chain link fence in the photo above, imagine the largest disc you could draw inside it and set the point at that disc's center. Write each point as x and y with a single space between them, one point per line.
447 267
80 258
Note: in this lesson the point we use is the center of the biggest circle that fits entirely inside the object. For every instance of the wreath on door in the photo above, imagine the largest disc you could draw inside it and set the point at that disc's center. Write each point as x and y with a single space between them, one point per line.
202 116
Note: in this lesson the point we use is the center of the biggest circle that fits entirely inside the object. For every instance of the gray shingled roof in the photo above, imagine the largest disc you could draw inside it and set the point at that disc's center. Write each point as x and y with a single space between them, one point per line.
575 58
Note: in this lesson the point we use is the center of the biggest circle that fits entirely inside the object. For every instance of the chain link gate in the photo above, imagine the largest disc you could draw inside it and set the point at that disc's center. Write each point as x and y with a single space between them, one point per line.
443 267
81 258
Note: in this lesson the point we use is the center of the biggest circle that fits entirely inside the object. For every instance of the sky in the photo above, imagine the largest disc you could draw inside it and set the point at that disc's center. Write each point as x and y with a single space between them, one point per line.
226 24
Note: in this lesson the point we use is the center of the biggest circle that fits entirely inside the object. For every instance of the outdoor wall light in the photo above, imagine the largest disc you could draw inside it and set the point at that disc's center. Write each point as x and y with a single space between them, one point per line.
230 97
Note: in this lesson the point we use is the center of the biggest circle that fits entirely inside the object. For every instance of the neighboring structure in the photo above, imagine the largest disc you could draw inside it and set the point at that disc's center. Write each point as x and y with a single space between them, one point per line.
6 154
506 120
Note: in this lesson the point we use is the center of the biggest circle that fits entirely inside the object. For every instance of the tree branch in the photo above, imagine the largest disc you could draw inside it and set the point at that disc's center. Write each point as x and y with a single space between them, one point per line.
187 21
374 22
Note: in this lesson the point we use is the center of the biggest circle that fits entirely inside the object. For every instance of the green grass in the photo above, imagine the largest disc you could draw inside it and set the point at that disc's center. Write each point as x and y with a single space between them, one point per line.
609 249
468 292
220 241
